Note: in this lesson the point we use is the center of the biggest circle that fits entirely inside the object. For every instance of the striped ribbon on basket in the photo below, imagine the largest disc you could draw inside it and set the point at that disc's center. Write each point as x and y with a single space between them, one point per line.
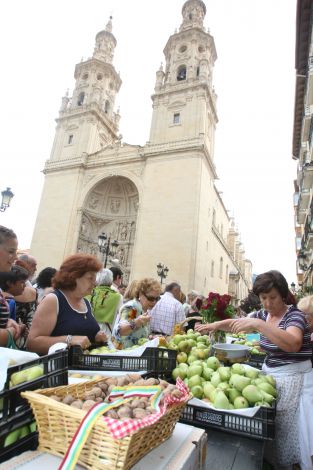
120 428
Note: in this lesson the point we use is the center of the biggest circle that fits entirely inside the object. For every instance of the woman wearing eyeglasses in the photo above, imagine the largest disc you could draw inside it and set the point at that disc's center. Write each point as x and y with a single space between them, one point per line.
133 320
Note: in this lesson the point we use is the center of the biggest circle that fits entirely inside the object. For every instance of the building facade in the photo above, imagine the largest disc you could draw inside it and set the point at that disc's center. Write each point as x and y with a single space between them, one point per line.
159 201
303 143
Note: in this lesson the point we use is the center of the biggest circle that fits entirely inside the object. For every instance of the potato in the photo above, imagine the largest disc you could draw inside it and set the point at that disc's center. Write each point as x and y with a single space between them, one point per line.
89 396
96 391
68 399
111 414
163 383
56 398
122 381
111 381
124 412
104 386
133 377
139 413
98 399
88 404
140 382
152 381
77 404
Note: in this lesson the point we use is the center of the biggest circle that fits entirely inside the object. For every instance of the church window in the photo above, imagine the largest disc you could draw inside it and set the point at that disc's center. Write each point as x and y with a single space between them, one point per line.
221 267
85 76
181 73
70 139
99 76
190 16
201 49
176 119
183 48
198 71
107 107
81 98
226 275
212 268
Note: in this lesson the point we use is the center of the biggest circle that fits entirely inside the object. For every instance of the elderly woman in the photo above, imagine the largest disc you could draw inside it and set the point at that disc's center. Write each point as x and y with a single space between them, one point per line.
9 329
64 315
105 301
285 337
306 305
132 323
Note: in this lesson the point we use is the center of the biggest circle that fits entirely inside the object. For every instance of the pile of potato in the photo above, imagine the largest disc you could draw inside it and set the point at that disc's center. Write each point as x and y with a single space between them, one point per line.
136 408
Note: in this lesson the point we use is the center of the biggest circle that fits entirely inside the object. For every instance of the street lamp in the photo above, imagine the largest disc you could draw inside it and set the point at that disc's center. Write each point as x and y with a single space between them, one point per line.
106 247
162 271
293 287
6 199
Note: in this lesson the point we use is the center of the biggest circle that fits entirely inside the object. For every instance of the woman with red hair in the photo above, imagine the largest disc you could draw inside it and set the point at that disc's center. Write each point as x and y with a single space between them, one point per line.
64 315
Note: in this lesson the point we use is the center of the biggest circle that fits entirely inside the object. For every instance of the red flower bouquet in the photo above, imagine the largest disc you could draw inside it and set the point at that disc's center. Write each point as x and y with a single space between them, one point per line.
216 307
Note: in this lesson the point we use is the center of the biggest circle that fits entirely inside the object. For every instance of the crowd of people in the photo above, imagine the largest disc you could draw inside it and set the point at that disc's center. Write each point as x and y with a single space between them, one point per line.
80 303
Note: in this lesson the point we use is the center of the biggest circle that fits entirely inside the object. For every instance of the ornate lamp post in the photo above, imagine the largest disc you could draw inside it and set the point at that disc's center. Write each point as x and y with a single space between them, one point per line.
6 199
106 247
162 271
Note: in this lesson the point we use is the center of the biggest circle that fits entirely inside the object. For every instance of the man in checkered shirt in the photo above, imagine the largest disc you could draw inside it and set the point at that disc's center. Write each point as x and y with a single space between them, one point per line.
168 311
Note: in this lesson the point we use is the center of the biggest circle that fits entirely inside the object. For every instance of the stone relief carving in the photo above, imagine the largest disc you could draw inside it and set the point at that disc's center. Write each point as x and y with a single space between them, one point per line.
115 205
93 201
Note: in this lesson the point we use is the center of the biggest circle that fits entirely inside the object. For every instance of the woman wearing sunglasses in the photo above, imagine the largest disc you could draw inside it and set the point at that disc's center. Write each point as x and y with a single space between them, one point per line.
133 320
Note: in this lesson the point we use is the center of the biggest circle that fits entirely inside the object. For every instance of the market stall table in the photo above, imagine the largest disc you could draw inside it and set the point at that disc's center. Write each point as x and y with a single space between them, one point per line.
184 450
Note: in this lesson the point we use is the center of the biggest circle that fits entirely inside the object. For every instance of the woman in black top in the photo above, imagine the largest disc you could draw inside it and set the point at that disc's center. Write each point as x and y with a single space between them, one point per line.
65 315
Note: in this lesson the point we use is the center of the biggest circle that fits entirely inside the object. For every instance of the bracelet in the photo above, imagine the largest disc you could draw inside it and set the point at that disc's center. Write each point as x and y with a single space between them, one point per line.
132 324
69 339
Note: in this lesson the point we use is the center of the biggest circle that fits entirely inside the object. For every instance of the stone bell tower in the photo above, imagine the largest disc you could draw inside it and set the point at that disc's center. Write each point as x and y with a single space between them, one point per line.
158 201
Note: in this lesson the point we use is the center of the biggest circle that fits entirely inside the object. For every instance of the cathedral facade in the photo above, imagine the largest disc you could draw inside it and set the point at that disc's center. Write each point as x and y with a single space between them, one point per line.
159 201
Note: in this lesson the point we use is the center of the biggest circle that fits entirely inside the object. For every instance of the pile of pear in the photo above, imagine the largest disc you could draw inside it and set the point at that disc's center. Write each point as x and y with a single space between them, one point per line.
190 346
227 388
254 345
18 434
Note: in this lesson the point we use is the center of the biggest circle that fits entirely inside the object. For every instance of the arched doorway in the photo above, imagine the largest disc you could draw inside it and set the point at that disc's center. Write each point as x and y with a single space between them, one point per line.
110 207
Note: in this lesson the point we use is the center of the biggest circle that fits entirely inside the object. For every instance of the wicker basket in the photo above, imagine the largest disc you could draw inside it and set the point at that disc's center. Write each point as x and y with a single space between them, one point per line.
57 424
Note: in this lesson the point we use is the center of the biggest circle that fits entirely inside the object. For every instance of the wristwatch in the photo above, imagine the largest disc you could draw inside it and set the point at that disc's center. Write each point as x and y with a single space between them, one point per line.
69 340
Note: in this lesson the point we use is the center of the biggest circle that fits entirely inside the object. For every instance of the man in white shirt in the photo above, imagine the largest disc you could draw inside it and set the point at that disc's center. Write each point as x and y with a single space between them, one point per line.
168 311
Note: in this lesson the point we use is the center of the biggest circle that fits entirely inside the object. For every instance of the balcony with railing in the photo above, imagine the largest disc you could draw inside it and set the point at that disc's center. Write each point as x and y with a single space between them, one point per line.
309 86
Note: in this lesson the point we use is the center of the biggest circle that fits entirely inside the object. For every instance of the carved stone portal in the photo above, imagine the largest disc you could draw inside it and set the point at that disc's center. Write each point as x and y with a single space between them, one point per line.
110 207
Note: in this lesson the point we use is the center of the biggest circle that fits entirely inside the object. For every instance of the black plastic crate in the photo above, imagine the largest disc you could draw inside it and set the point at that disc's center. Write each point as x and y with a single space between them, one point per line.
29 442
55 367
256 360
260 426
160 361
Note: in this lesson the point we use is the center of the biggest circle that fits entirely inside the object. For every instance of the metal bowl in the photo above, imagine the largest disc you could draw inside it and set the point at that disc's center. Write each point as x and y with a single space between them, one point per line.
231 353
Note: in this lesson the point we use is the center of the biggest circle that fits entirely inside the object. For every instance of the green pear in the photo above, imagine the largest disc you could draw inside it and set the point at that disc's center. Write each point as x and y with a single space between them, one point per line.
268 388
239 381
201 345
238 369
207 373
177 338
240 402
270 379
260 379
202 353
19 377
33 426
221 401
186 382
192 343
197 391
194 369
213 362
224 373
252 394
24 431
191 358
208 390
12 437
251 373
215 379
190 331
194 380
232 394
181 357
178 372
172 346
34 372
184 346
267 397
231 406
224 387
183 366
